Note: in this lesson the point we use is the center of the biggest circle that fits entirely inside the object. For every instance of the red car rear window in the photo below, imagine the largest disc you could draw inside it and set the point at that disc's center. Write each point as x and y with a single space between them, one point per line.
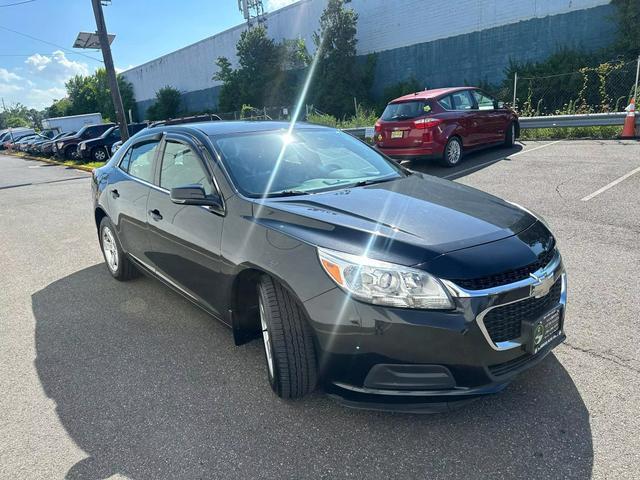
406 110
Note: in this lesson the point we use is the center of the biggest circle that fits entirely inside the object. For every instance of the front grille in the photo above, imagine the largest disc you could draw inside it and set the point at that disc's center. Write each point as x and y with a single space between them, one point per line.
505 323
510 276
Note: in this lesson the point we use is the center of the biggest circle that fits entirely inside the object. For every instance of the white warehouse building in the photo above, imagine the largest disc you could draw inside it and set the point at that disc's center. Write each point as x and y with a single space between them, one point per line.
438 43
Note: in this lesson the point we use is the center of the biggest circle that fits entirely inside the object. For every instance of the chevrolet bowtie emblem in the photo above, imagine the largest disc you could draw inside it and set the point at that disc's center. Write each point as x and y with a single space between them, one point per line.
542 286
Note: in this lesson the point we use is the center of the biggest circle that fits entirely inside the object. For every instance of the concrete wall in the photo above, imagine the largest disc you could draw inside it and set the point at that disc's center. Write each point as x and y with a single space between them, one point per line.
440 43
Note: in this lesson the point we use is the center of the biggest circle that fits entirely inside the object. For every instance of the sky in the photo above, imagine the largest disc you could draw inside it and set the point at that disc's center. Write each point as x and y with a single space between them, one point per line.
33 72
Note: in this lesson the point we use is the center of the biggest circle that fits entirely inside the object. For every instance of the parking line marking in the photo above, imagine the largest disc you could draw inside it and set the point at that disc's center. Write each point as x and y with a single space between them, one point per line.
500 159
612 184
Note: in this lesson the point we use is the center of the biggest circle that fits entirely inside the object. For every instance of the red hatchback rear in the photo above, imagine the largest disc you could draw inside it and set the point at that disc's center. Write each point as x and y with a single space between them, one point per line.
443 123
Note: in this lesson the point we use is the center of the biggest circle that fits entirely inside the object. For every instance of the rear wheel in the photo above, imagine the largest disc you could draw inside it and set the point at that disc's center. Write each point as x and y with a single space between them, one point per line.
119 265
70 152
288 342
452 154
510 135
99 154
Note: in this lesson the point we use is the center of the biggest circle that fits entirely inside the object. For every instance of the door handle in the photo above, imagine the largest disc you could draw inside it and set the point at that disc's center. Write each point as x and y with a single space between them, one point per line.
114 193
155 214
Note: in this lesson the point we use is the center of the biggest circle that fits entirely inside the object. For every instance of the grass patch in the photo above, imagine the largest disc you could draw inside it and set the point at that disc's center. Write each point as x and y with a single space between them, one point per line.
604 133
74 163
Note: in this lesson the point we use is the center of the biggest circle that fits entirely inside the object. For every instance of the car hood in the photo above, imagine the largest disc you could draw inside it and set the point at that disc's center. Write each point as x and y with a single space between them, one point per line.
407 221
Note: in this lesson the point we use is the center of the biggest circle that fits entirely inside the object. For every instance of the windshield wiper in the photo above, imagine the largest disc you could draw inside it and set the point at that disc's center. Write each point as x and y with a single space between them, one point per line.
286 193
373 181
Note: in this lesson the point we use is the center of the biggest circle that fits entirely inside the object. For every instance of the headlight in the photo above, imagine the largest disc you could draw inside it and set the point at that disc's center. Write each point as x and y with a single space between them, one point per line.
383 283
60 145
83 146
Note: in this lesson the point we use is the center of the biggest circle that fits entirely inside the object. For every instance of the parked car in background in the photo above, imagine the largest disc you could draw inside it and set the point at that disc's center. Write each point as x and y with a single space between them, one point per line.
391 288
444 123
14 135
28 145
67 147
18 145
99 149
46 148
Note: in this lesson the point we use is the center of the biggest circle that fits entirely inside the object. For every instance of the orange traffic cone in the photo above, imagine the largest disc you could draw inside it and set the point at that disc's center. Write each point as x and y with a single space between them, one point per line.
629 129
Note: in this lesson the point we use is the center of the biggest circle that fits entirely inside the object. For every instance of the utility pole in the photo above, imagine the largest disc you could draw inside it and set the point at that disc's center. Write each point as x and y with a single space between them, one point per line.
111 71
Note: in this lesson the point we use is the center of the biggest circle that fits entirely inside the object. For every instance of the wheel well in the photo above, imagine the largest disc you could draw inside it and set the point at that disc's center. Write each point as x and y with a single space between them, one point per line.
246 318
99 215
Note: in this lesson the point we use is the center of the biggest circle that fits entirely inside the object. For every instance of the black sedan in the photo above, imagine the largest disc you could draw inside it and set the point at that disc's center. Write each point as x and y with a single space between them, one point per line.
99 149
389 288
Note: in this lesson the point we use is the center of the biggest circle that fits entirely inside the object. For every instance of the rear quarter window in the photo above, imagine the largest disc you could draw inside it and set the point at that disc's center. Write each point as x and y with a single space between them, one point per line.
445 102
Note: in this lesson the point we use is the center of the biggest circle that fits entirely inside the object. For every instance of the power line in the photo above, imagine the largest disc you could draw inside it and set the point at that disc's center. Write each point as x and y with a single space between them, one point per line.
17 3
49 43
32 54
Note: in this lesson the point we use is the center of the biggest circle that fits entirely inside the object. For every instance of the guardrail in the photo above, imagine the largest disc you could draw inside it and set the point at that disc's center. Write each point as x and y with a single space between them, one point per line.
551 121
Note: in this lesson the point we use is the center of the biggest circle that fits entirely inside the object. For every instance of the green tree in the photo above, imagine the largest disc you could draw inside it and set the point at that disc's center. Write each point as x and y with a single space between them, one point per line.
339 77
403 87
167 104
266 74
59 108
90 94
16 115
104 102
627 17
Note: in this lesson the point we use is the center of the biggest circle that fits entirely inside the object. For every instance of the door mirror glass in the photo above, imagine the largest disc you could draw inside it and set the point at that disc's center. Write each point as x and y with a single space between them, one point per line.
194 194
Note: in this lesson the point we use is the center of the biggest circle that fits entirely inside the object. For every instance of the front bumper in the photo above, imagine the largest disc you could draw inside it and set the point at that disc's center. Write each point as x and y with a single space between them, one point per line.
417 360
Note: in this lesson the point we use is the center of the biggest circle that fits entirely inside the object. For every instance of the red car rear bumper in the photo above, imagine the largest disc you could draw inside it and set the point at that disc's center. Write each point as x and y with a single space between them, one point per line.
426 150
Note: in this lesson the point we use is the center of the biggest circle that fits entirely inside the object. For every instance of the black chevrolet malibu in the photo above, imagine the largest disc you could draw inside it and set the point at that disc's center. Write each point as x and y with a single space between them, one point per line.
389 288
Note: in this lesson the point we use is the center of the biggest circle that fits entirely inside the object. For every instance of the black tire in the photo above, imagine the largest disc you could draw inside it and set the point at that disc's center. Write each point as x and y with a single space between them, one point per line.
449 157
510 135
124 268
70 153
99 154
294 371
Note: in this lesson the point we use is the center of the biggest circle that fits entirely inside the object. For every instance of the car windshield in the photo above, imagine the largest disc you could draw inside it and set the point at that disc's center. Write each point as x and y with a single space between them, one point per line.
108 132
277 163
405 110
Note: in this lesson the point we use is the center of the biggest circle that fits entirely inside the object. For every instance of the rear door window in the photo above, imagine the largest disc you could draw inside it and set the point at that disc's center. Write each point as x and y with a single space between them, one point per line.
405 110
462 100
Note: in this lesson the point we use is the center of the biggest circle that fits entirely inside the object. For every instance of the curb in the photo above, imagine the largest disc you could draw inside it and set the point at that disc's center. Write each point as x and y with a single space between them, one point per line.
52 162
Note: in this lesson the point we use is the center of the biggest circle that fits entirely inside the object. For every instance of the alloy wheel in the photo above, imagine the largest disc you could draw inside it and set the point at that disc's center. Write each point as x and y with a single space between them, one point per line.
110 249
266 339
99 155
453 152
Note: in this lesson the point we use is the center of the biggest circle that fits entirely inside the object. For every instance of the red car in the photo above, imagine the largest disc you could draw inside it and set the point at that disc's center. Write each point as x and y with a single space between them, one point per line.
444 123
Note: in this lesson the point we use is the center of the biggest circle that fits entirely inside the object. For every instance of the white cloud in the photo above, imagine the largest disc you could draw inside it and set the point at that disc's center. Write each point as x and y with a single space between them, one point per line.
7 76
40 80
272 5
37 61
56 67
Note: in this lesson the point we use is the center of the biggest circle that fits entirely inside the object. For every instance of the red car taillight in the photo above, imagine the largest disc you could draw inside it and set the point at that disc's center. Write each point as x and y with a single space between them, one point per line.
424 123
377 127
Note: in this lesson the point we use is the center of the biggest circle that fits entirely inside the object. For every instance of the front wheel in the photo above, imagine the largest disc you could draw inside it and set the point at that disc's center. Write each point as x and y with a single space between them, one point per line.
288 341
452 154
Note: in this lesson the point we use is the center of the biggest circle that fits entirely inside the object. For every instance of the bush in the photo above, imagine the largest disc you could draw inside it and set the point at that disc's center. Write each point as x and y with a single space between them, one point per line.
364 118
608 132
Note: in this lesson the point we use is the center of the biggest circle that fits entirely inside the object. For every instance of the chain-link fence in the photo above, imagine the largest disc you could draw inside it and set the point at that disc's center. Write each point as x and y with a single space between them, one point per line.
265 113
607 87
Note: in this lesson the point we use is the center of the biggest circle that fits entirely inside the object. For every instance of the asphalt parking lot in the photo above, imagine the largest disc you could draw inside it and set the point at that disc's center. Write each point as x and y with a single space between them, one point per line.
101 379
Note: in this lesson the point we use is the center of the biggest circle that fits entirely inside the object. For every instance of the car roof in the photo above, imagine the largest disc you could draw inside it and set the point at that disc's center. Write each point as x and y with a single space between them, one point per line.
218 127
428 94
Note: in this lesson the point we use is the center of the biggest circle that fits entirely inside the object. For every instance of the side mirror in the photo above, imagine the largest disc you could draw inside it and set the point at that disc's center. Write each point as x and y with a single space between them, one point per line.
194 195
